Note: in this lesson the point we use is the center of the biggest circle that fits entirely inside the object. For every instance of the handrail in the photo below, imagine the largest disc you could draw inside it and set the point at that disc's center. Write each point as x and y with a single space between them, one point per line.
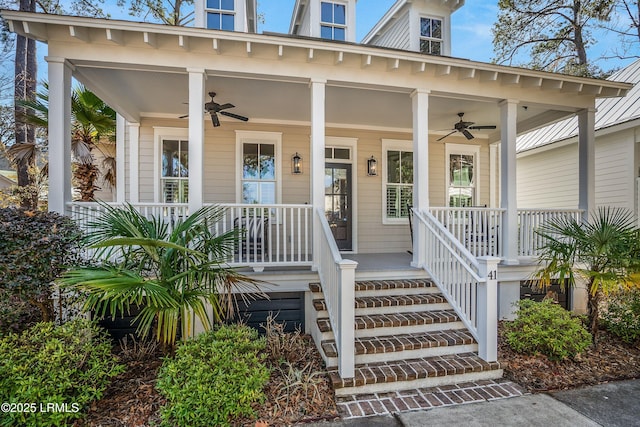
530 219
337 278
468 284
440 232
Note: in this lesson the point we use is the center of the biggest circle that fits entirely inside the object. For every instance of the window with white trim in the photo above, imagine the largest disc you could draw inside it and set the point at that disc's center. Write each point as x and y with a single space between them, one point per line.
333 20
259 177
174 174
220 14
462 175
431 39
397 183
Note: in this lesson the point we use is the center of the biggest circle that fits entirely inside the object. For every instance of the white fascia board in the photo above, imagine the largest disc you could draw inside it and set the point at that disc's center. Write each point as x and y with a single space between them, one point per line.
610 88
298 10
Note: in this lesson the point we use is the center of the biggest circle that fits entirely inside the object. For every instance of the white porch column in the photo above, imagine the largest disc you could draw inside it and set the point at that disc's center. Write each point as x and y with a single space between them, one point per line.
120 159
197 78
420 106
318 93
134 162
508 195
586 161
59 134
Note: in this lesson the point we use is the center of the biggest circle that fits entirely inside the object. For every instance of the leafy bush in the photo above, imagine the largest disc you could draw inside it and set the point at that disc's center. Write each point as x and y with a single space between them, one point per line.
214 378
622 316
15 314
70 364
35 248
546 328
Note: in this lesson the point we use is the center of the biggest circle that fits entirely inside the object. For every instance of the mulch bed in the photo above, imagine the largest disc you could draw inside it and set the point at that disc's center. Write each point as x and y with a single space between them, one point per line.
613 360
131 400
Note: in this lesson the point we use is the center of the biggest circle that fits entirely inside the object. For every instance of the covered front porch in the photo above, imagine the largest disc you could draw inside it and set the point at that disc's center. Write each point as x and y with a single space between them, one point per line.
334 106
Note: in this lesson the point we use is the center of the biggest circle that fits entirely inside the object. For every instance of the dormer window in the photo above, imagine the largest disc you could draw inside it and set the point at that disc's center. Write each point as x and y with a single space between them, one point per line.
431 36
333 21
220 15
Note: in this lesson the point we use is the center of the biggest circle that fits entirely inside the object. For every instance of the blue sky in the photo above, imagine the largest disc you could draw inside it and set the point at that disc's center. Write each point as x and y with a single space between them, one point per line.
471 24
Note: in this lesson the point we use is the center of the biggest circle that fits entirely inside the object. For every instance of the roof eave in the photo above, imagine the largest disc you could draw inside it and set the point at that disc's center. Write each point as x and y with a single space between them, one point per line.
34 25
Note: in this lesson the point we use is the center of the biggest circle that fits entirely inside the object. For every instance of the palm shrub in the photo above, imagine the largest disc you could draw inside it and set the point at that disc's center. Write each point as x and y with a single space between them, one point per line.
604 252
170 272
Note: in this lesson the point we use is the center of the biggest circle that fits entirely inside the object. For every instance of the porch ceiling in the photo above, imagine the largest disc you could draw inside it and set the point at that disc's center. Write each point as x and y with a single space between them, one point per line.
139 93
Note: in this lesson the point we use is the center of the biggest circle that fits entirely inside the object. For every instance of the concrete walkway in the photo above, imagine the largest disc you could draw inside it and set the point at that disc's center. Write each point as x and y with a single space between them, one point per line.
611 405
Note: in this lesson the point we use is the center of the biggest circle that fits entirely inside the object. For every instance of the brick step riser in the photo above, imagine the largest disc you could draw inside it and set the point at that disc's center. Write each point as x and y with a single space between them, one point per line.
387 292
394 356
413 329
396 330
324 314
420 383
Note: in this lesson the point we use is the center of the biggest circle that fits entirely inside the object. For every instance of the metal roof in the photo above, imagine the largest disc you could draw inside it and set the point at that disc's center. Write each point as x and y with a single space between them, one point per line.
610 112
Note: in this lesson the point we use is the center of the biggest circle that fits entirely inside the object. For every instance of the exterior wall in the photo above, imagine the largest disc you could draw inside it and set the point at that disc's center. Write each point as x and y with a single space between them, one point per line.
549 179
372 236
397 36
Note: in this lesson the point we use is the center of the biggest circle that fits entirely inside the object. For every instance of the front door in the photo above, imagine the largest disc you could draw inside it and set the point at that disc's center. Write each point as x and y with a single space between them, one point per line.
337 203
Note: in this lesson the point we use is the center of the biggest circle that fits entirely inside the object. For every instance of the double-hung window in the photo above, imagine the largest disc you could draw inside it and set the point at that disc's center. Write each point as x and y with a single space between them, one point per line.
259 176
333 21
398 183
174 178
220 14
431 40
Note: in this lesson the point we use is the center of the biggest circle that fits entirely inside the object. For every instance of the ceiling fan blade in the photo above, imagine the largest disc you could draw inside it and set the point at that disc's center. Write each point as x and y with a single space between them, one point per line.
215 119
184 117
234 116
467 134
482 127
450 133
225 106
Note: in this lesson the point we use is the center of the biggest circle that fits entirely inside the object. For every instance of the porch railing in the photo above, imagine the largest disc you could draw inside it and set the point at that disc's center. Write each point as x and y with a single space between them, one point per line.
273 235
469 284
478 229
337 277
529 220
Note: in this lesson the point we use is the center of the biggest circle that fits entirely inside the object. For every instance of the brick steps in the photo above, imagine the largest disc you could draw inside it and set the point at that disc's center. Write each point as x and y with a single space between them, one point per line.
403 346
414 373
414 322
391 304
407 336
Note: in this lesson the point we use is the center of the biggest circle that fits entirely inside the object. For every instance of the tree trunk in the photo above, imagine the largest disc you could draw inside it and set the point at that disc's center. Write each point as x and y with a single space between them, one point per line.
578 37
594 313
25 88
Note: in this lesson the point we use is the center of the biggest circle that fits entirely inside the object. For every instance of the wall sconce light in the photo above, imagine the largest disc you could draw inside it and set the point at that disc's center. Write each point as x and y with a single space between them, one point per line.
372 166
296 164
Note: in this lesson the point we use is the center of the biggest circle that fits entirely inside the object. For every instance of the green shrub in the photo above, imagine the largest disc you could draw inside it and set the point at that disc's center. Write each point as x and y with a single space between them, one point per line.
214 378
622 316
70 364
34 249
546 328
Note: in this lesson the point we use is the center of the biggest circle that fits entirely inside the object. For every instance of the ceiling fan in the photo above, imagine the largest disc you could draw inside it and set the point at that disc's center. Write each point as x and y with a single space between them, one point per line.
213 108
464 127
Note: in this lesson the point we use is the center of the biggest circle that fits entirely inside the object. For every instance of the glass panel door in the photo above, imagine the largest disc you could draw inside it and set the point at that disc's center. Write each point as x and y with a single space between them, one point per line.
337 203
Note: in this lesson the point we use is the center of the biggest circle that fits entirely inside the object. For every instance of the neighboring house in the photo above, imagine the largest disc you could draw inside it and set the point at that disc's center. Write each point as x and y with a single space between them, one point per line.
548 157
320 147
5 180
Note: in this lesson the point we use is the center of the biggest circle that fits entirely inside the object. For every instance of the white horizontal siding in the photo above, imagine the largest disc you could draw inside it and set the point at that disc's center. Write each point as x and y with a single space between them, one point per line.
549 179
396 35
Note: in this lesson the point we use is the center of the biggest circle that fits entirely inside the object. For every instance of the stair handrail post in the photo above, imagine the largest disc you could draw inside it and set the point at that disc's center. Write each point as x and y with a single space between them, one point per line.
346 318
487 308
